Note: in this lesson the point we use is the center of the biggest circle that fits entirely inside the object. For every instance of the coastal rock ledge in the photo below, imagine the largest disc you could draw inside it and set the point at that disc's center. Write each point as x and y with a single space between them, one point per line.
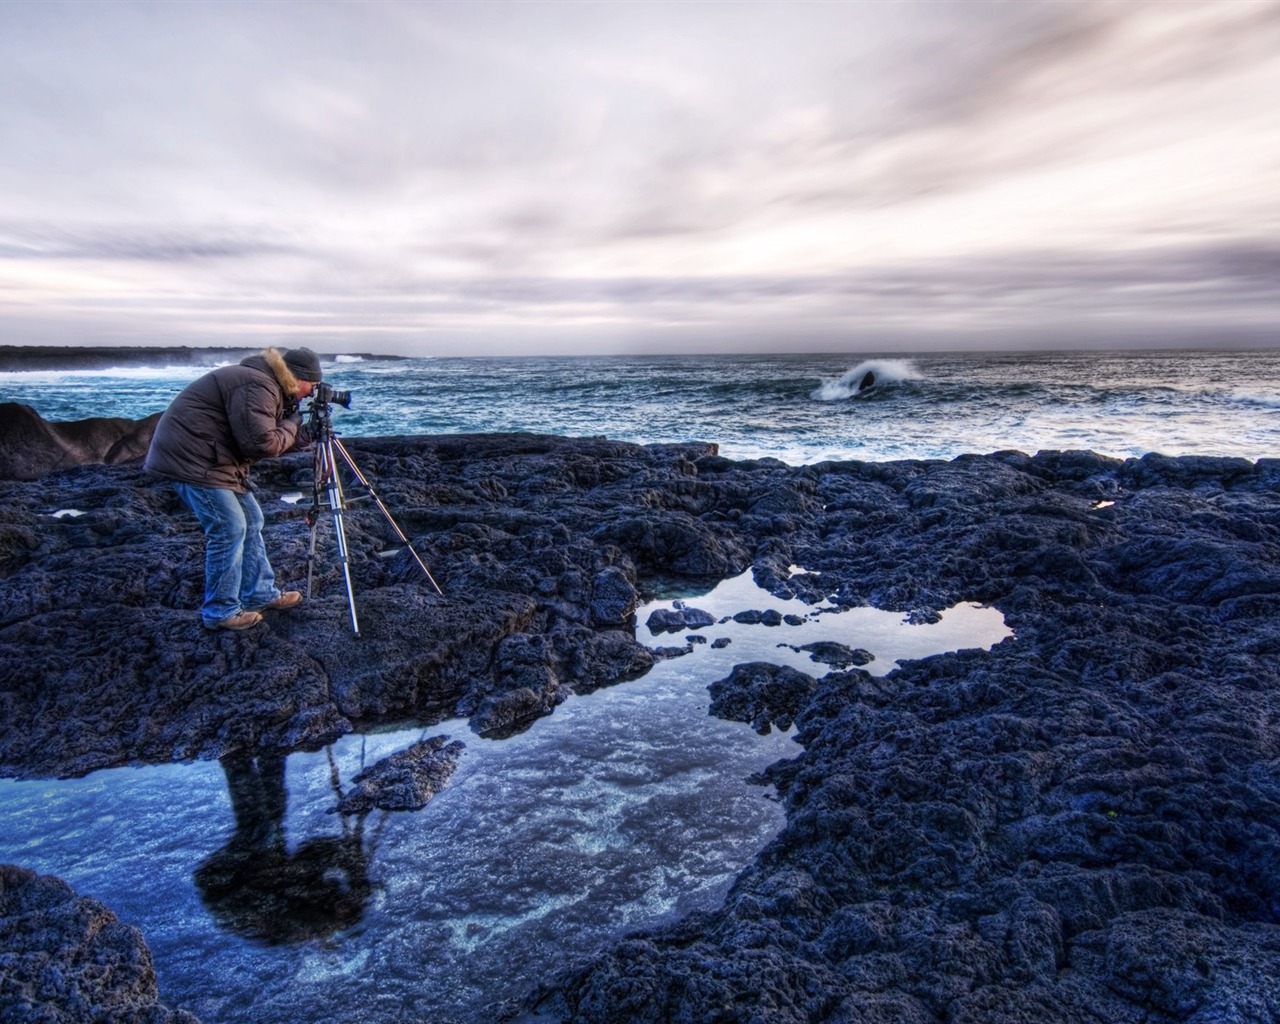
1080 825
66 959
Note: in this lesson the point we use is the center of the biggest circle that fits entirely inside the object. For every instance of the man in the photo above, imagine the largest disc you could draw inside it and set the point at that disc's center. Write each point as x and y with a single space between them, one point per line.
205 442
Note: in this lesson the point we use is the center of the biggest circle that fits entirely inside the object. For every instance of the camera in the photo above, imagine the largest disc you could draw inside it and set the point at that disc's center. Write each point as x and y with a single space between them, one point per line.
322 398
326 393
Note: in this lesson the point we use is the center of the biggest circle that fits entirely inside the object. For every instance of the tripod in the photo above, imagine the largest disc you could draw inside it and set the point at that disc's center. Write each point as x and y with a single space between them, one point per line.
328 449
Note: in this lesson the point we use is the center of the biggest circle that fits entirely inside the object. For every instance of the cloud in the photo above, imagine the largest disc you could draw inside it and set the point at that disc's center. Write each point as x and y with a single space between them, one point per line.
426 168
143 244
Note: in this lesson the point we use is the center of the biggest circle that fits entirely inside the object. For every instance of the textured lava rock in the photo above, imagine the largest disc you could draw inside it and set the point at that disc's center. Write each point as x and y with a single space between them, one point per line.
1080 825
675 620
66 959
406 780
762 694
828 652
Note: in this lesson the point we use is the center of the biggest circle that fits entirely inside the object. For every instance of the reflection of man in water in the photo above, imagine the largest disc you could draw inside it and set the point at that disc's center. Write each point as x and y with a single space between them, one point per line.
255 887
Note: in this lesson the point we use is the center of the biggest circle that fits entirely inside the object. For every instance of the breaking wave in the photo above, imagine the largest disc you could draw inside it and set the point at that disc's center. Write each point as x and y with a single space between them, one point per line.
883 371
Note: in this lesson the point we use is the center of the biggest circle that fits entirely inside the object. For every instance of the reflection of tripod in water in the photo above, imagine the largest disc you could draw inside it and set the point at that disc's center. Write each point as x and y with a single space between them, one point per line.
325 479
257 887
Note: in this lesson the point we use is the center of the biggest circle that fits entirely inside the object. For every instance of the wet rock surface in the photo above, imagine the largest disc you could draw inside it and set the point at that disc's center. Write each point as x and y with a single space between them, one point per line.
1081 824
66 959
762 694
405 781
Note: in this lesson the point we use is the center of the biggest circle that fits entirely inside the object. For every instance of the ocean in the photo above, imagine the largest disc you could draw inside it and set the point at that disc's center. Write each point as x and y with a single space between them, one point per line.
799 408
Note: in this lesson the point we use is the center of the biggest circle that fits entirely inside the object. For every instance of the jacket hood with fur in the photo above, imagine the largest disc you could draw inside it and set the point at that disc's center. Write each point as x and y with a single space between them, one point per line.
274 359
226 420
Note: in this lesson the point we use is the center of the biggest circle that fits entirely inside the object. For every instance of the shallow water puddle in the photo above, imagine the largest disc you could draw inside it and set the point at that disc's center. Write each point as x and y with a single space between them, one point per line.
626 807
623 808
888 636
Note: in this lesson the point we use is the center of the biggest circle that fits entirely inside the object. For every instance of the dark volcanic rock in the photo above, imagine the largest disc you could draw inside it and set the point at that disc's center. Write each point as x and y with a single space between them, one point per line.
30 446
1080 825
103 660
762 694
66 959
405 781
613 597
675 620
838 655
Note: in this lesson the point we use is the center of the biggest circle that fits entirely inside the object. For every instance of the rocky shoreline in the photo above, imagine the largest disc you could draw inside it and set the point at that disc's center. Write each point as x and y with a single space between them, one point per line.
1080 825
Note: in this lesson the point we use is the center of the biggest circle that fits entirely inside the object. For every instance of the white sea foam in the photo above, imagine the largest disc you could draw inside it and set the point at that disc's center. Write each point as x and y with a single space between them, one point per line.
54 377
1255 399
883 371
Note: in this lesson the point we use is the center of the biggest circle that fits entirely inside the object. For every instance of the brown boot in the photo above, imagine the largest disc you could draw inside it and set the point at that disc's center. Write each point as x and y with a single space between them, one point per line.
289 599
245 620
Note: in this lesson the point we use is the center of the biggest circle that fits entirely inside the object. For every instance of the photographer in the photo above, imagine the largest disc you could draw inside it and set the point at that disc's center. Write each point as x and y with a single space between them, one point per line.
205 442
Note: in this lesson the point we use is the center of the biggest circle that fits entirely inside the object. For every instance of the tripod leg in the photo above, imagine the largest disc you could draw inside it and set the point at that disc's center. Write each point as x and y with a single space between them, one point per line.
325 472
311 553
355 470
336 506
319 475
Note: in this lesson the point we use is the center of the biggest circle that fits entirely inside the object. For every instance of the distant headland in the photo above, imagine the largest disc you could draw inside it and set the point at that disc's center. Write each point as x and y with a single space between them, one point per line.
101 357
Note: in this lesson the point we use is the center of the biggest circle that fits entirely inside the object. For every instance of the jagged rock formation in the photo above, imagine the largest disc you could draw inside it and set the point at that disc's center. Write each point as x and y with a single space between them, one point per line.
66 959
30 446
762 694
1082 824
404 781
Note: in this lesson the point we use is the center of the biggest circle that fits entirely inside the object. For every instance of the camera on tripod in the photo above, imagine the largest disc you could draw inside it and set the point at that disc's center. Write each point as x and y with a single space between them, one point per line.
327 485
321 398
327 393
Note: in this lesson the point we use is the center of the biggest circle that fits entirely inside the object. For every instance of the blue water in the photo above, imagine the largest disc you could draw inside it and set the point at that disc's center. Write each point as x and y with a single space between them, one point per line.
627 807
800 409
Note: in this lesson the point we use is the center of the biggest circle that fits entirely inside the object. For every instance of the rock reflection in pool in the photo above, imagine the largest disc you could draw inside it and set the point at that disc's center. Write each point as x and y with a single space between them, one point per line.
625 807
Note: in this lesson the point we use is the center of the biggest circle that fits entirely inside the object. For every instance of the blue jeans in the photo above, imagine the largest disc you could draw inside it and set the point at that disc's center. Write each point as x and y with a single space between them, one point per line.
237 575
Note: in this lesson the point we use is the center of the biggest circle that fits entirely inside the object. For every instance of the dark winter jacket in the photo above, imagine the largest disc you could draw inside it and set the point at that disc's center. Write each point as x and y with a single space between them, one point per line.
226 420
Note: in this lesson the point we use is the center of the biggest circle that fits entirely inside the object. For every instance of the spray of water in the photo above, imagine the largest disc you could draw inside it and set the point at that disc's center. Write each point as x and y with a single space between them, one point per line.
883 371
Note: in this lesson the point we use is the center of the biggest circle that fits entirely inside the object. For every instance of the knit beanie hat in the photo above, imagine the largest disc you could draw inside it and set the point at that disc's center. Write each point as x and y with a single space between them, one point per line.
303 364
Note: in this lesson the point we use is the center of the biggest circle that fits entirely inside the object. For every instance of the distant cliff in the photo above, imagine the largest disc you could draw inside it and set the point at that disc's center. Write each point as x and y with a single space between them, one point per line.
102 357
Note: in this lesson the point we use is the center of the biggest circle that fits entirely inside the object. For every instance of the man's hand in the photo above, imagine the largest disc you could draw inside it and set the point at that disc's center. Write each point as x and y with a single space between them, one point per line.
302 435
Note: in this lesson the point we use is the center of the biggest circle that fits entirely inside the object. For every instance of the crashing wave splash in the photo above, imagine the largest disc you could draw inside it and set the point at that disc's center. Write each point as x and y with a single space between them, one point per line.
882 371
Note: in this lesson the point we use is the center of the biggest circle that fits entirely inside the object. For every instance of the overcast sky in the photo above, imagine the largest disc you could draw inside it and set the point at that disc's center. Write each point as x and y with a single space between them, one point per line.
453 178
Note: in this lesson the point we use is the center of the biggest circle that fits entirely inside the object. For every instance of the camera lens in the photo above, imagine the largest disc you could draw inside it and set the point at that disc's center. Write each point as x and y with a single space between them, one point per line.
324 394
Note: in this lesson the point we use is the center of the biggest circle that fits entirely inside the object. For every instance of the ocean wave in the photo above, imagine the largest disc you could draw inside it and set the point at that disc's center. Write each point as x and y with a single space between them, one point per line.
883 372
754 408
1254 400
381 367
